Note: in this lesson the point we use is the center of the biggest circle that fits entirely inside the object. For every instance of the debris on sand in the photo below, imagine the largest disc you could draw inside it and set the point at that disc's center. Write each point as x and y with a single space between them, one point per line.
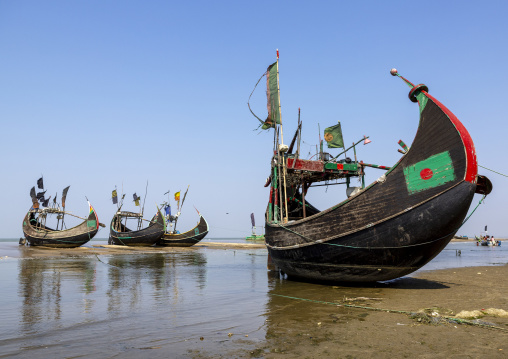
474 314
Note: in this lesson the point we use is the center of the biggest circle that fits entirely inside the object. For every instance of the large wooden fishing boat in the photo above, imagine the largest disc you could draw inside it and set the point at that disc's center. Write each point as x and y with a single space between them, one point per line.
37 233
120 234
380 232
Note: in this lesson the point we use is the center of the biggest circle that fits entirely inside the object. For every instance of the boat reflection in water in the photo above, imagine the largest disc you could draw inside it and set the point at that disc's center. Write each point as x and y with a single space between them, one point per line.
110 305
43 296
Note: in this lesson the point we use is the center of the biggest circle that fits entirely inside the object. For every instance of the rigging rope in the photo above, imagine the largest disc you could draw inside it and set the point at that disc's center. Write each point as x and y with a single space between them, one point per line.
493 171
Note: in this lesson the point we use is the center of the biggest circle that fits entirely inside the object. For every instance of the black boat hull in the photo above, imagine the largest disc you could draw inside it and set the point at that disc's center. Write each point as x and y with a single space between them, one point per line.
186 239
369 255
68 238
70 242
142 238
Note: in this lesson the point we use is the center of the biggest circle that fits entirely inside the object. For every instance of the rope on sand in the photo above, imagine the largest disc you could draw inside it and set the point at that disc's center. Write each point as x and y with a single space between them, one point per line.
420 316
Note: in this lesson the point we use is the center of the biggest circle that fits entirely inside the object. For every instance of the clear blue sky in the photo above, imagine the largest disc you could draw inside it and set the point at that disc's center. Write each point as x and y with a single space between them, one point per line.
94 94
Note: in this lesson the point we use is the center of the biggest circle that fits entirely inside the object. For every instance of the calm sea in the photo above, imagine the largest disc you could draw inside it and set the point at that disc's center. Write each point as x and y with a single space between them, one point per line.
200 302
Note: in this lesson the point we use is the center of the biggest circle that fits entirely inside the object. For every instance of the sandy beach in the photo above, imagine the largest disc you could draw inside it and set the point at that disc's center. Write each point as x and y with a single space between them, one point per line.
308 329
106 249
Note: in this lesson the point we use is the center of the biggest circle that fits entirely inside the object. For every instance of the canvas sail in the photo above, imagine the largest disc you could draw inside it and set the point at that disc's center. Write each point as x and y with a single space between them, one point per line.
64 195
272 96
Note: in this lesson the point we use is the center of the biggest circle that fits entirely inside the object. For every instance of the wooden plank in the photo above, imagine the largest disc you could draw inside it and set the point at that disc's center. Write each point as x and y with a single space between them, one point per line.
306 165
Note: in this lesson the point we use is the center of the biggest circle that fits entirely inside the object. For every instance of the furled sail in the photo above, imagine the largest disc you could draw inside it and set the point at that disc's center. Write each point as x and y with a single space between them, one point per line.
64 195
35 201
46 202
272 94
40 196
40 183
185 195
252 220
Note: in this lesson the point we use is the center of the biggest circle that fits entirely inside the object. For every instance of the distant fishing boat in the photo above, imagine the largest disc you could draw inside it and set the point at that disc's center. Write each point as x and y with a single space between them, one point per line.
37 233
141 236
380 232
254 236
173 238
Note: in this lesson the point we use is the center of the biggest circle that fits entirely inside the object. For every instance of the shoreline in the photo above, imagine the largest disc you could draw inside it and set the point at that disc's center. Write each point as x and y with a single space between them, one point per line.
14 250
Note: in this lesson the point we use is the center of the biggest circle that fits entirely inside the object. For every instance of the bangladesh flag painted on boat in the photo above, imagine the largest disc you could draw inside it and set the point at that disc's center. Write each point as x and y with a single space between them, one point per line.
429 173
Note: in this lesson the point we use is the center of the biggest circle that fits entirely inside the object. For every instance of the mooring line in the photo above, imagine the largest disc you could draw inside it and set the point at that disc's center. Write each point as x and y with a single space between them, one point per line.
493 171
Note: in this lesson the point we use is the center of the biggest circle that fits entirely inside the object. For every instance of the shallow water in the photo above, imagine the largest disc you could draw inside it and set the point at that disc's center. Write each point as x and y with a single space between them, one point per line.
199 301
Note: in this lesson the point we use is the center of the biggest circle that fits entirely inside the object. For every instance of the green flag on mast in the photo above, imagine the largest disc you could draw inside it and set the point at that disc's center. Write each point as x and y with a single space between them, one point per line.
333 136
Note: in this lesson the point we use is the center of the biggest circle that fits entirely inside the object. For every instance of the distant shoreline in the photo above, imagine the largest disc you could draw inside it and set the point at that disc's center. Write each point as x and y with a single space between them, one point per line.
473 239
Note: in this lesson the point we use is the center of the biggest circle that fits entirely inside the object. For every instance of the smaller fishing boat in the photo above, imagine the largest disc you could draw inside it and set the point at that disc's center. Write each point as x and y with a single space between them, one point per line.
254 236
487 241
172 237
38 233
120 234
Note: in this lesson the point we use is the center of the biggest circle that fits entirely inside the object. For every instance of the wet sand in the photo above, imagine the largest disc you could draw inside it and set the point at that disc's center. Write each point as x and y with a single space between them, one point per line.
15 251
305 329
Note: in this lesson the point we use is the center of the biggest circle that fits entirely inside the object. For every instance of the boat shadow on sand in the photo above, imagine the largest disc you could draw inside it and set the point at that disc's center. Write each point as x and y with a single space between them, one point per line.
398 283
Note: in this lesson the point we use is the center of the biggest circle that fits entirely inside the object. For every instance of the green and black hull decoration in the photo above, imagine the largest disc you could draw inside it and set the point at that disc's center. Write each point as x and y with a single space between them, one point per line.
186 239
120 234
385 230
38 234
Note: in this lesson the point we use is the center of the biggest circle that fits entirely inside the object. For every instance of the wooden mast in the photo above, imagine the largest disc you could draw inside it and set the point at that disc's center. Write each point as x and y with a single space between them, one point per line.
278 149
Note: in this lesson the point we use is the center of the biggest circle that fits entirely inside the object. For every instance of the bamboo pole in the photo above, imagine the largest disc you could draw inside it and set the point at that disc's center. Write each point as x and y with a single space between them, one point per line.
278 97
143 209
303 196
63 215
279 179
282 142
299 135
347 149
